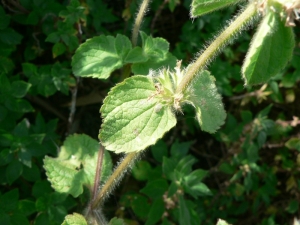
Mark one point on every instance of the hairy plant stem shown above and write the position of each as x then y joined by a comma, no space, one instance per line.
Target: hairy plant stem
240,23
98,172
117,175
138,21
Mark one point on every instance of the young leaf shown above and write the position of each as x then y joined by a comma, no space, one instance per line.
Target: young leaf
271,49
75,165
156,52
201,7
207,101
74,219
98,57
131,119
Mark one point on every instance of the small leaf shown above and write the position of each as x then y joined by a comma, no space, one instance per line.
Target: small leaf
293,143
100,56
156,212
207,101
9,200
131,122
10,37
13,171
74,219
116,221
156,51
58,49
155,188
20,88
75,165
271,49
201,7
4,19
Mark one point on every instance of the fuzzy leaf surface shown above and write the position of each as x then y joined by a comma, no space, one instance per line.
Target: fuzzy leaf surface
271,49
201,7
75,165
207,101
98,57
132,120
156,51
74,219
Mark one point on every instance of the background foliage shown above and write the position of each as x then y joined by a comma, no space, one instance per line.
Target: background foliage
246,173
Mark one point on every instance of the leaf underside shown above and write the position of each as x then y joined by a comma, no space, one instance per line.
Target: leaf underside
201,7
207,101
271,49
75,165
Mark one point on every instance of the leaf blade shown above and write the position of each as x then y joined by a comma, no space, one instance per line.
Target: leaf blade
132,104
271,49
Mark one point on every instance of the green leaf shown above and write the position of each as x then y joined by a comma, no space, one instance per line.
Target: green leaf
4,19
222,222
10,37
201,7
26,207
137,202
13,171
141,170
116,221
159,150
156,212
20,88
9,200
156,50
293,206
17,219
140,124
271,49
100,56
155,188
184,214
74,219
75,165
293,143
207,101
58,49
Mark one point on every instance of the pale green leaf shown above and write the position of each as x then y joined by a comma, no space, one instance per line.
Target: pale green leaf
271,49
74,219
133,116
75,165
156,50
222,222
207,101
100,56
201,7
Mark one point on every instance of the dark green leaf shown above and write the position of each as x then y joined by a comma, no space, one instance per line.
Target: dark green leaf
141,170
156,188
26,207
9,200
156,212
58,49
184,214
4,19
13,171
10,37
